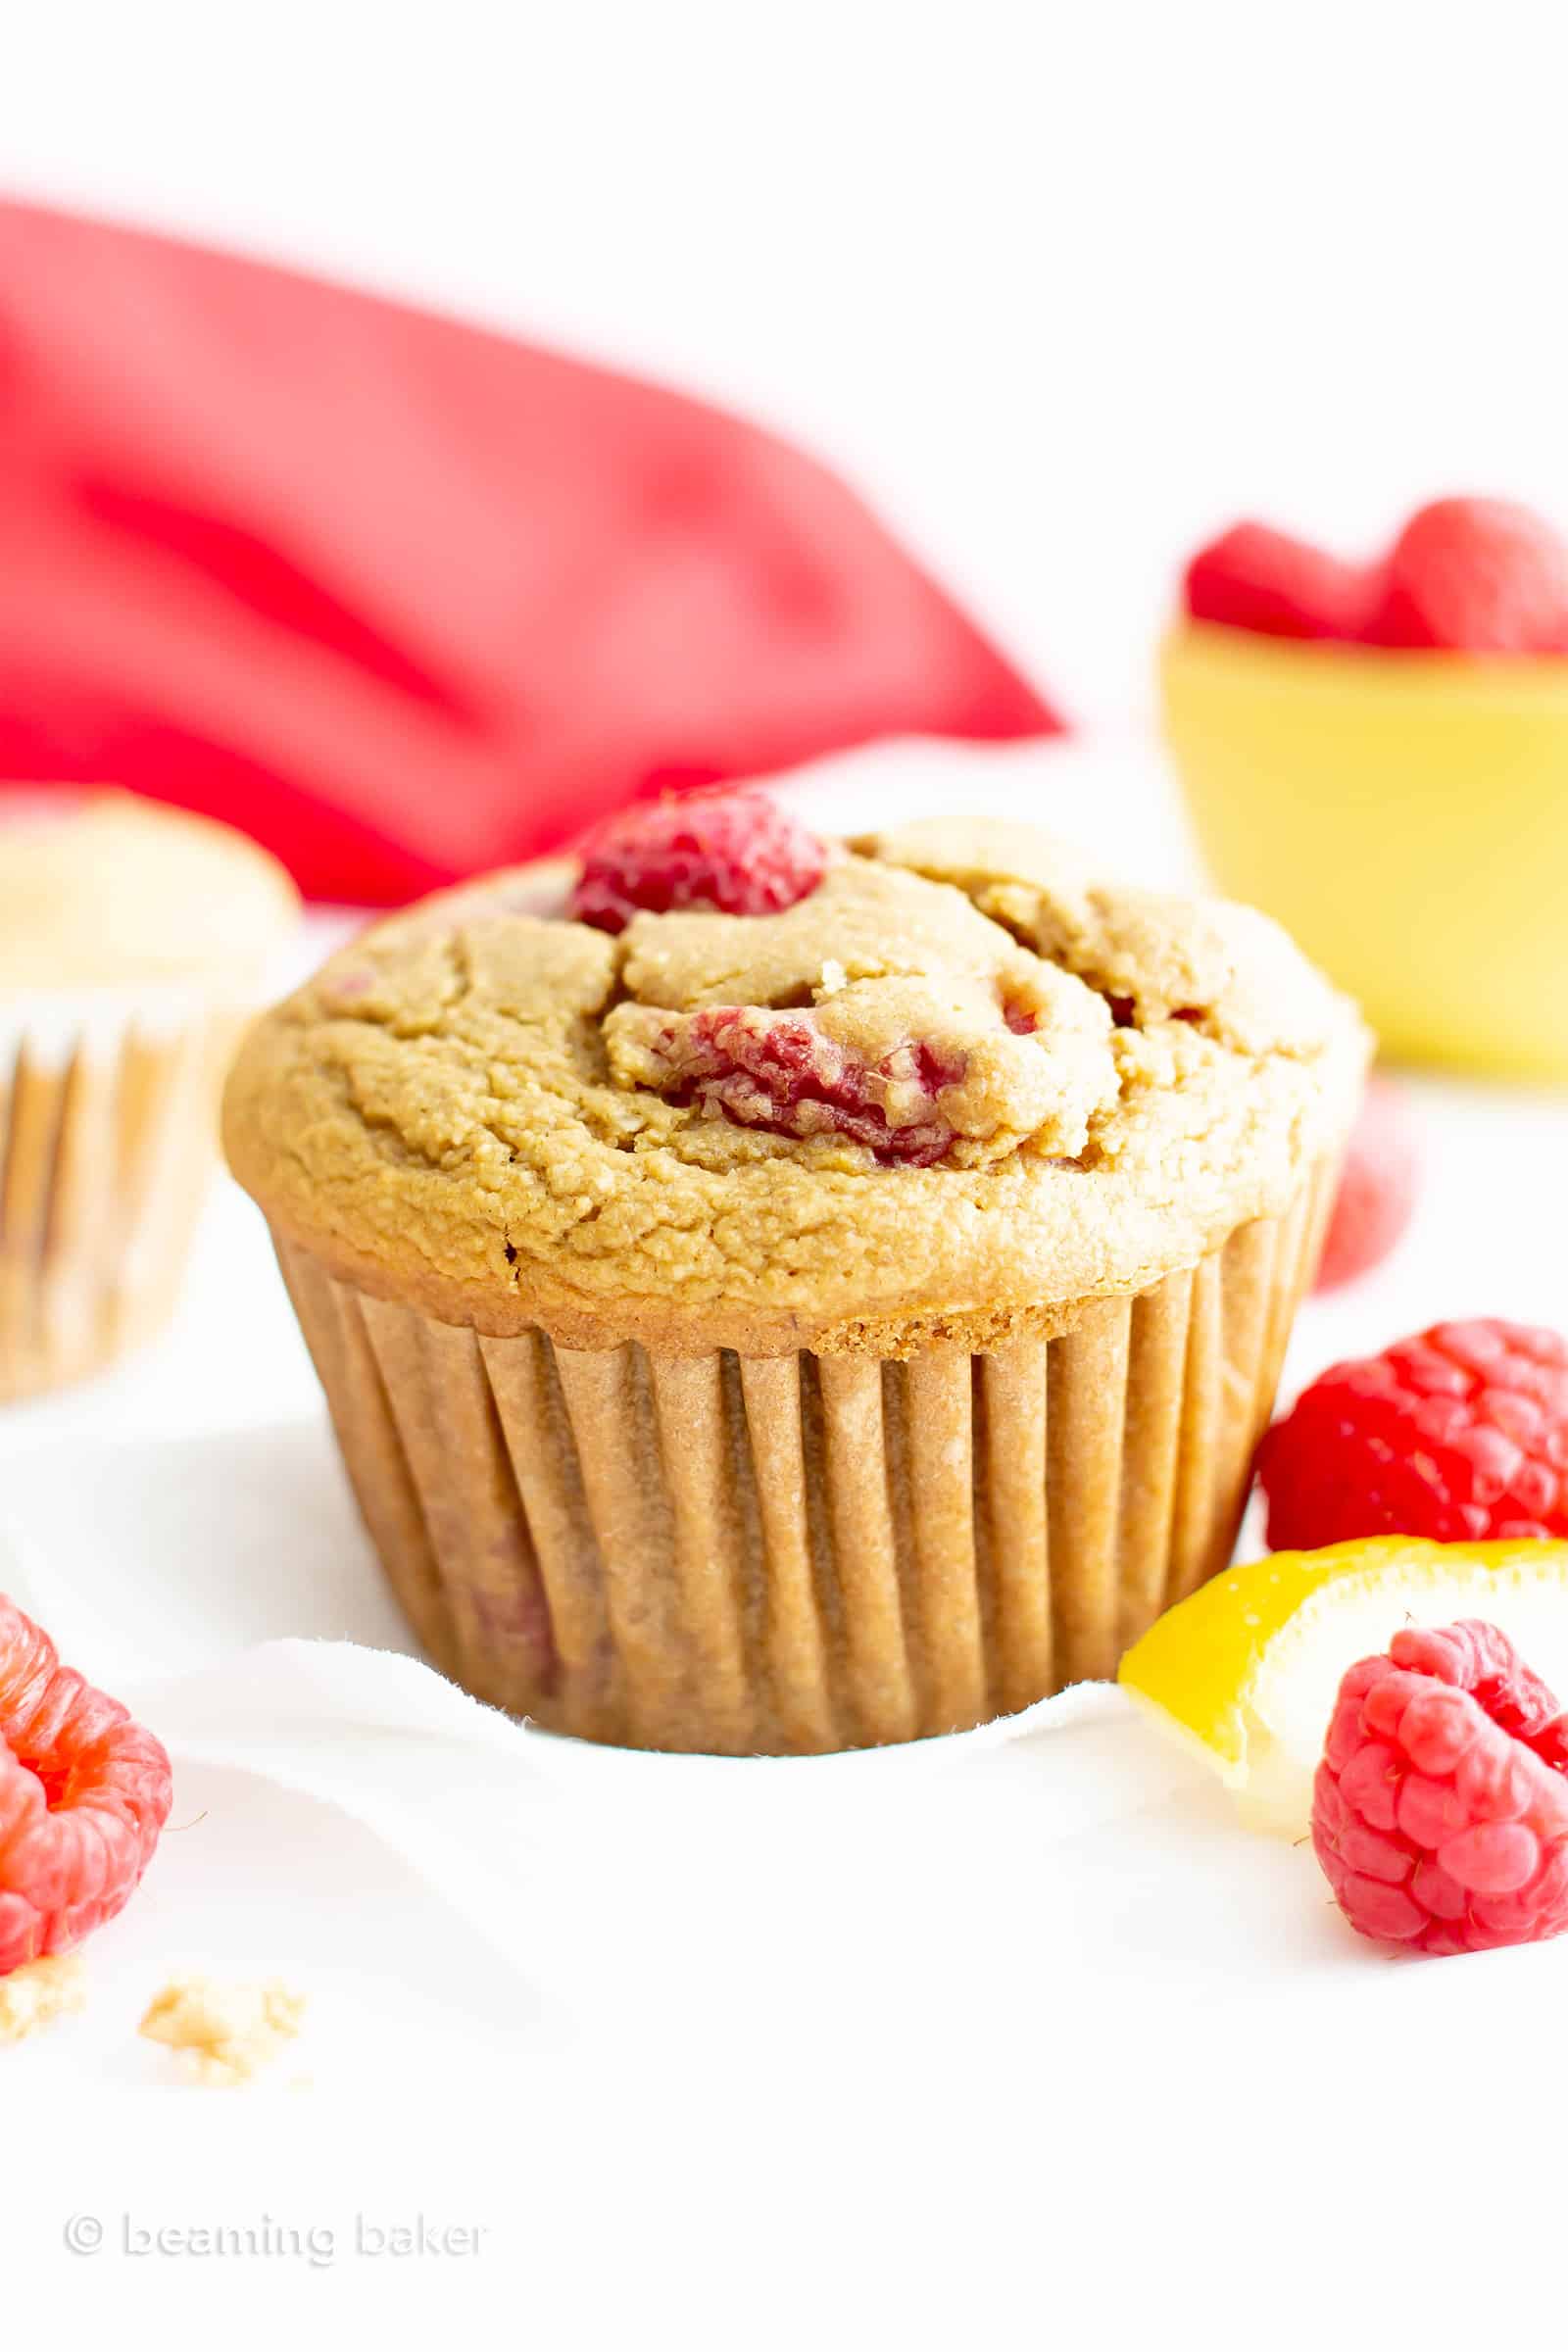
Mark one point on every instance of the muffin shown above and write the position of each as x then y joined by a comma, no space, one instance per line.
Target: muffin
796,1330
132,942
1379,755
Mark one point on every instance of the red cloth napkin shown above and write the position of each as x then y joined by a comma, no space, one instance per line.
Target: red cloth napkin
405,599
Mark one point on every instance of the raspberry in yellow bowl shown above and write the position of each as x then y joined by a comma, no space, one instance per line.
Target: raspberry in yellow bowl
1405,813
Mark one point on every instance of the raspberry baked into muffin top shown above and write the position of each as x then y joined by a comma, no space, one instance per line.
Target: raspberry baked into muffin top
958,1082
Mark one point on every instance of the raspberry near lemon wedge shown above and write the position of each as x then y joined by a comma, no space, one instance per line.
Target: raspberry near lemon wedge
1245,1670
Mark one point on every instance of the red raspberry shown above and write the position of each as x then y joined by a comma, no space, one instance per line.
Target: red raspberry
778,1071
1253,578
1460,1434
738,851
1477,576
1377,1188
84,1795
1440,1811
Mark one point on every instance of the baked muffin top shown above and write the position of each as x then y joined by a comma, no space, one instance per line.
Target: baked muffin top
960,1082
109,891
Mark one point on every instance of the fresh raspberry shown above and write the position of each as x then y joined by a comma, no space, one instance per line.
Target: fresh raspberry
84,1795
1477,576
1253,578
779,1071
738,851
1377,1188
1460,1434
1440,1811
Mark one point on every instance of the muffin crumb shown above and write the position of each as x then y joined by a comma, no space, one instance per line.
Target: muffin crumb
223,2033
39,1992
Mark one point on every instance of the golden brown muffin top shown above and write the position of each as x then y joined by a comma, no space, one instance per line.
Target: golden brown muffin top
110,891
961,1082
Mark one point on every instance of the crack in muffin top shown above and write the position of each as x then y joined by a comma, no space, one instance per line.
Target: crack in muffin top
962,1077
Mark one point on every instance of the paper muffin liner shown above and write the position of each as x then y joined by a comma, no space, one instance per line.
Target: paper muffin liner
107,1117
798,1553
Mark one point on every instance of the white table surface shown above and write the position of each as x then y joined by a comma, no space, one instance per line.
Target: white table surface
788,2033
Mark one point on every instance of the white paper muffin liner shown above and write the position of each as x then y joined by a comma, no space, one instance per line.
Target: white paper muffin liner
108,1112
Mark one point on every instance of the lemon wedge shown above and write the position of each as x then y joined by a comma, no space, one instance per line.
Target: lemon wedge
1247,1669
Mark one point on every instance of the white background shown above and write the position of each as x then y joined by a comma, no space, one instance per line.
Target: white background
1061,288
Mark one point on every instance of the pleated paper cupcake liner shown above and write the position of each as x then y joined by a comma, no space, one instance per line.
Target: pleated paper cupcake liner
798,1553
107,1146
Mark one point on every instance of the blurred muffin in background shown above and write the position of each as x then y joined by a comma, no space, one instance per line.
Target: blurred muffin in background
132,939
1378,754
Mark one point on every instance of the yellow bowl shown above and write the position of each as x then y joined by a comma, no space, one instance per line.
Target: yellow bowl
1403,814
